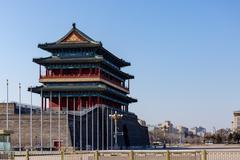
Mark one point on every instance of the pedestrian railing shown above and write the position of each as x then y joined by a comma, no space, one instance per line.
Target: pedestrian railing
218,155
128,155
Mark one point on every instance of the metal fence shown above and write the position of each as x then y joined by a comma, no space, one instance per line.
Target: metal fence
218,155
124,155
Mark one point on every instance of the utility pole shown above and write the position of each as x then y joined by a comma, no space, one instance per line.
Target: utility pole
116,117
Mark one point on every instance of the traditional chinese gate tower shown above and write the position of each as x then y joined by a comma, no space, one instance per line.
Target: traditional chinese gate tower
82,76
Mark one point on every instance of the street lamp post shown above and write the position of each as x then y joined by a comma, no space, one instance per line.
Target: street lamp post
116,117
165,128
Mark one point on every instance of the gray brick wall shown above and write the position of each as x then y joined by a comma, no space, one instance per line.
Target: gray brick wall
25,129
3,110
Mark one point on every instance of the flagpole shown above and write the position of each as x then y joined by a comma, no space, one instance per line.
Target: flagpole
59,123
7,107
80,126
92,126
41,120
19,120
74,123
86,110
111,131
102,127
67,123
31,122
98,127
107,129
50,126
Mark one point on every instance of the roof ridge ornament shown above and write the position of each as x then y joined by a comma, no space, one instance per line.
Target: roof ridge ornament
74,25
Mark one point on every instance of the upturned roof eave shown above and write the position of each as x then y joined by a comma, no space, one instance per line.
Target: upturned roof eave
51,60
50,47
121,62
56,60
102,88
44,88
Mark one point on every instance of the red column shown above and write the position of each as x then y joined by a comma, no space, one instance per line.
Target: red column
86,103
93,101
98,100
61,72
89,102
99,72
80,103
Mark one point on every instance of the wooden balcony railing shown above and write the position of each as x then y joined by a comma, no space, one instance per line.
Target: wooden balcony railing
69,76
42,77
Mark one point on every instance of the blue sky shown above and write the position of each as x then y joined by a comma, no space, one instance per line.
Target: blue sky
185,54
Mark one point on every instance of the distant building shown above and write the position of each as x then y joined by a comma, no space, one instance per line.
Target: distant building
167,126
152,127
200,131
194,130
183,133
236,121
182,129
